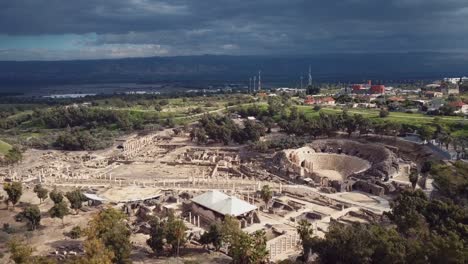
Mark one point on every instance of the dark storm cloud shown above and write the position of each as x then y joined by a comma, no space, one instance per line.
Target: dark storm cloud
248,27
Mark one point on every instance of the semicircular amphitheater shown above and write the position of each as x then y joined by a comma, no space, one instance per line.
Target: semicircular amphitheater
331,165
342,164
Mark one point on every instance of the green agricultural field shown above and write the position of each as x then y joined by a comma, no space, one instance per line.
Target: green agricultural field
4,147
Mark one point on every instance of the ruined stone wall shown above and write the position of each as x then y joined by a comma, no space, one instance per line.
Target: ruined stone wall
384,162
366,163
405,149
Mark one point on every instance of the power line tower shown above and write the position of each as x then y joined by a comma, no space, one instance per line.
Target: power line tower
259,80
254,83
301,81
310,77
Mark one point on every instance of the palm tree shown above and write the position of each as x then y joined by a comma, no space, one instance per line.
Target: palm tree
304,229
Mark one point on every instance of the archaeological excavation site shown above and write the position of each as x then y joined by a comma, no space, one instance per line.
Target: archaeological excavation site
343,165
156,173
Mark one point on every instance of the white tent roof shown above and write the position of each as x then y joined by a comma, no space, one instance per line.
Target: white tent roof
223,204
209,198
141,199
94,197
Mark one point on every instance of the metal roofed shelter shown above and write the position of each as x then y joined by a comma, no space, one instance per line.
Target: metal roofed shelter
94,197
223,204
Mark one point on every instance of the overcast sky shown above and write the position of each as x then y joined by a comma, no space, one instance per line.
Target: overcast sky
91,29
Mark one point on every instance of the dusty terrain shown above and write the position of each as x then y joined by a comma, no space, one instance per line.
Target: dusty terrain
141,166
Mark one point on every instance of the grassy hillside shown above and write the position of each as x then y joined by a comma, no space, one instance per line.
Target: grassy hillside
4,147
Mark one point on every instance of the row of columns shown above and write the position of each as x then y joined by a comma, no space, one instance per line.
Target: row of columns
195,220
282,244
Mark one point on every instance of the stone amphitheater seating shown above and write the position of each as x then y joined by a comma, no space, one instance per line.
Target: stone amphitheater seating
344,164
347,157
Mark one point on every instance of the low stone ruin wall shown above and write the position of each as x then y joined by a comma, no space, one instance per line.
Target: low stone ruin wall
364,166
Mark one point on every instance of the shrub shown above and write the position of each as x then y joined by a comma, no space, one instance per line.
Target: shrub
75,233
383,113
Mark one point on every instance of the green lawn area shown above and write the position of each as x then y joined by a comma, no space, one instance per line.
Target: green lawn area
404,118
4,147
20,114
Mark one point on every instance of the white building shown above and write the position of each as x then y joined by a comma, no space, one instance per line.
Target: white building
290,90
463,109
456,80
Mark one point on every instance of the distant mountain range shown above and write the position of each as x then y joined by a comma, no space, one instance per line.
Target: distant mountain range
275,69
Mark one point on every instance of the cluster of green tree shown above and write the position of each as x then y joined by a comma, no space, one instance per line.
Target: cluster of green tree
241,246
109,227
107,242
422,231
7,110
418,229
444,135
329,124
223,129
62,117
31,213
14,191
251,110
12,122
291,121
148,100
60,208
101,121
313,89
87,128
76,139
13,155
168,232
452,180
282,143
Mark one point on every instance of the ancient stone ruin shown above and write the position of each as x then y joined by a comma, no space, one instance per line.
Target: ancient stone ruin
343,165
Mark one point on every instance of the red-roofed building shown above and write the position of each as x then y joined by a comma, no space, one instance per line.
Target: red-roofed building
396,99
328,100
457,104
357,87
309,100
365,88
433,94
377,89
461,107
